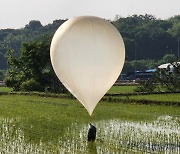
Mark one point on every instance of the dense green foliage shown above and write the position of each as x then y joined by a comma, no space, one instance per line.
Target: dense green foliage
31,70
27,50
14,38
143,65
1,75
145,36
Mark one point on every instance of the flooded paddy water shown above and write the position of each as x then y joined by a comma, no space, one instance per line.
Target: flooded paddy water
113,136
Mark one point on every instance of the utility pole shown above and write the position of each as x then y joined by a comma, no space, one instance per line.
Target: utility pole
178,49
135,55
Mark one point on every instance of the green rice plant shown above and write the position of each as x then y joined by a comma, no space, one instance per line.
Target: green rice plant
114,136
121,89
53,125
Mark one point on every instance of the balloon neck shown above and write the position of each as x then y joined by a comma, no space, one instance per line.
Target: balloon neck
90,120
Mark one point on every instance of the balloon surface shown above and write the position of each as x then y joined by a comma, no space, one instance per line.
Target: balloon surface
87,54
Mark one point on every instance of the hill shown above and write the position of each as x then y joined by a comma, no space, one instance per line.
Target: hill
145,36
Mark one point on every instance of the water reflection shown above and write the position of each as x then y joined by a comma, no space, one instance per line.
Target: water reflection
113,136
162,135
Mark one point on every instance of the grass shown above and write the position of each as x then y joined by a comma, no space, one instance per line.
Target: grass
113,90
121,89
166,98
5,89
158,97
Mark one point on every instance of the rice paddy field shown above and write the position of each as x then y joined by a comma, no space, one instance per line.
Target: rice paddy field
41,124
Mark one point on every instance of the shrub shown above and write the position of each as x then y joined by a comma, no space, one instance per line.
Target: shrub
146,86
31,85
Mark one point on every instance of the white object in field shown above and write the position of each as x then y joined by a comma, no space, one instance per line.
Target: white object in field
87,54
165,66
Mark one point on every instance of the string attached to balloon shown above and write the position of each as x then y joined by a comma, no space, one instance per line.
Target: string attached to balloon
87,54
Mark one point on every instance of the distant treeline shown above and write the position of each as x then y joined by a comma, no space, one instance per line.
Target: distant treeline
145,36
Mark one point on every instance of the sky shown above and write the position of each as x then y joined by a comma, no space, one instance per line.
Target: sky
18,13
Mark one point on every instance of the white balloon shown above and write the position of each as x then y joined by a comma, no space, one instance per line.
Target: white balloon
87,54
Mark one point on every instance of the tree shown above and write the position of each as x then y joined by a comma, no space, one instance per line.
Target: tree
28,66
147,36
144,35
33,25
169,58
142,40
31,70
1,76
174,30
2,62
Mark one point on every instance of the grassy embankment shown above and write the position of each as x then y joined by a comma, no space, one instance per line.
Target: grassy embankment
126,93
120,93
114,89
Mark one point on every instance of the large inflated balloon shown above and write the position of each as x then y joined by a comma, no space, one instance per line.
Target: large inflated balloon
87,54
